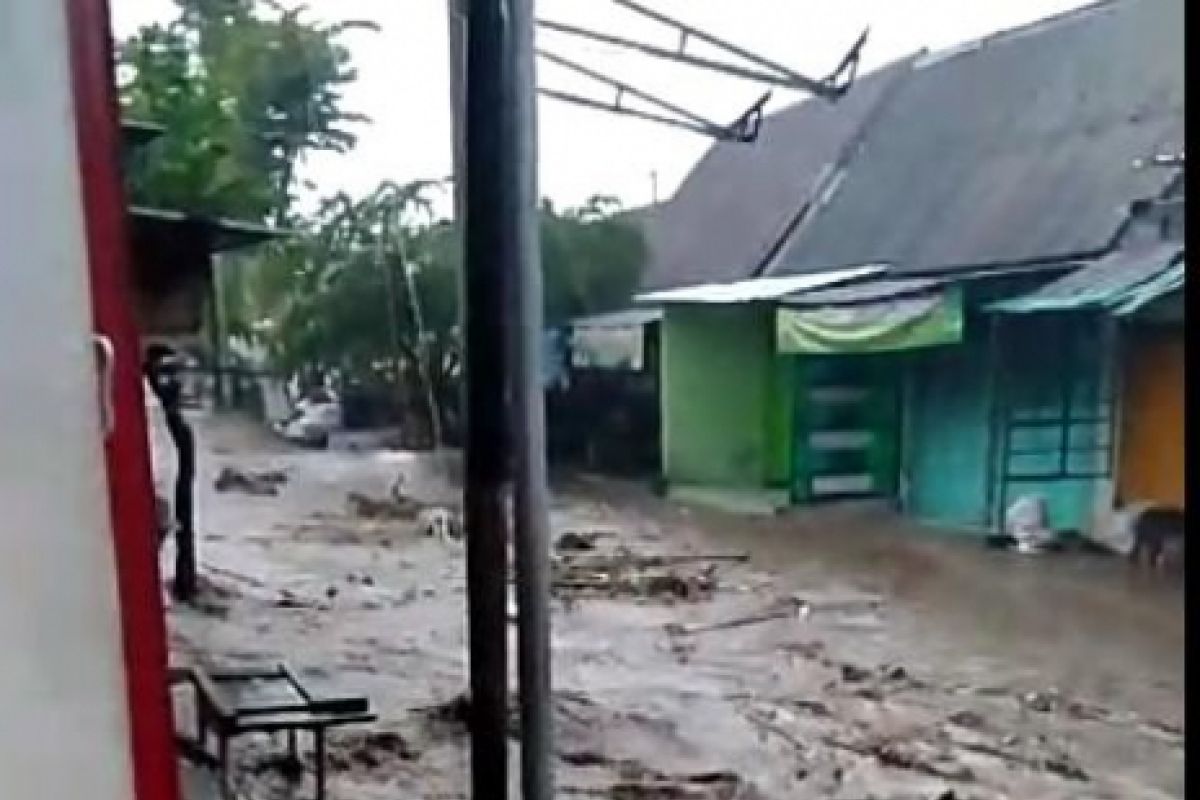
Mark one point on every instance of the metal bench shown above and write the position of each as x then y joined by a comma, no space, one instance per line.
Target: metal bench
230,703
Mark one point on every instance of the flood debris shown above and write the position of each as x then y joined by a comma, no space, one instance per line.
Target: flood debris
288,599
969,719
260,484
649,576
356,751
767,723
1036,755
441,523
396,507
669,585
777,611
578,541
1044,702
640,782
912,755
852,673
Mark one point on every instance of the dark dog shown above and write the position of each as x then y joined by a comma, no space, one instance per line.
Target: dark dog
1157,530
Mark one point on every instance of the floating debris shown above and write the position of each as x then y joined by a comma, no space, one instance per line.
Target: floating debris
370,750
361,505
262,484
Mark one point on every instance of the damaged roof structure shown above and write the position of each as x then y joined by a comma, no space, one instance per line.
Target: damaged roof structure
1015,149
740,202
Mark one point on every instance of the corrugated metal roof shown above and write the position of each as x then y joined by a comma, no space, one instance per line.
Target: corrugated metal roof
226,234
628,318
1105,283
757,289
865,292
738,202
1168,281
1018,150
136,132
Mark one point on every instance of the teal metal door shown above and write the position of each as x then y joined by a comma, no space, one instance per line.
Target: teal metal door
949,435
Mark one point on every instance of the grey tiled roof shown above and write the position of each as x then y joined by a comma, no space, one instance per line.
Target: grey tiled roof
1017,150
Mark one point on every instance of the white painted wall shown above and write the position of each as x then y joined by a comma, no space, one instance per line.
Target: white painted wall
64,730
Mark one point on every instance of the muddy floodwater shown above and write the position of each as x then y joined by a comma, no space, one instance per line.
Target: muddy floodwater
852,654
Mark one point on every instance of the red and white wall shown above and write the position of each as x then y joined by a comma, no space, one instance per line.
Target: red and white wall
82,644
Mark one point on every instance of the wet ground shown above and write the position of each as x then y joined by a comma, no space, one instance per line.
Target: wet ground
853,655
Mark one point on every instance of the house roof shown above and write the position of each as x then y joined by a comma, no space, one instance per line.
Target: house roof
135,134
1015,149
758,289
1108,282
218,234
738,202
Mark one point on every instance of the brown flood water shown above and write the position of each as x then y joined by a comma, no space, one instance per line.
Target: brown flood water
923,664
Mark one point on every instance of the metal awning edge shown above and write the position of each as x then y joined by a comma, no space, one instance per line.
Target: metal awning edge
757,289
243,233
1167,281
1043,298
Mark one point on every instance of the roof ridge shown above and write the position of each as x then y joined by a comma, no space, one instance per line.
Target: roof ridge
1005,34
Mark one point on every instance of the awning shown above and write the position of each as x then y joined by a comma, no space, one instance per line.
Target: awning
1167,281
608,348
1120,282
901,323
612,340
759,289
629,318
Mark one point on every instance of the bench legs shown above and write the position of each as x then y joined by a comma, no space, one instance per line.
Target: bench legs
223,766
319,759
319,767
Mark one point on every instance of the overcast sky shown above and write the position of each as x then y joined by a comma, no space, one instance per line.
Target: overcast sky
403,84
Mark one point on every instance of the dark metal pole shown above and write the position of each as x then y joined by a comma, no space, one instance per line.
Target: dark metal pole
489,200
624,88
797,80
456,24
586,102
773,77
532,535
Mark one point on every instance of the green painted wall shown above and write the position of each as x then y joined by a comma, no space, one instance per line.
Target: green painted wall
721,418
781,417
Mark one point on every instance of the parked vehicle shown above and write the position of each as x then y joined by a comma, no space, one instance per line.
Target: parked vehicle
312,421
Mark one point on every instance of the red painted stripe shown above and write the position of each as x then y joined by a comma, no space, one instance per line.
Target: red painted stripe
127,450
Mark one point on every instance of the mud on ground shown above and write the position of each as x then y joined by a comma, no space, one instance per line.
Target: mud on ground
850,655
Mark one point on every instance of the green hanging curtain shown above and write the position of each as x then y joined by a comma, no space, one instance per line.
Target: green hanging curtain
900,324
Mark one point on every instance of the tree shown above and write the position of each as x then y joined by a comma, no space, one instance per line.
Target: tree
592,257
371,295
245,90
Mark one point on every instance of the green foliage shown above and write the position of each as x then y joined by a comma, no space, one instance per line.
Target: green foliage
370,291
244,90
592,258
367,289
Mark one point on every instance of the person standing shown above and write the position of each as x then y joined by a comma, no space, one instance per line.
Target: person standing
161,368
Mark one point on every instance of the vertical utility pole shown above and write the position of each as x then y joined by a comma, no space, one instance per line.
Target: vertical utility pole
456,27
529,424
216,336
491,269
